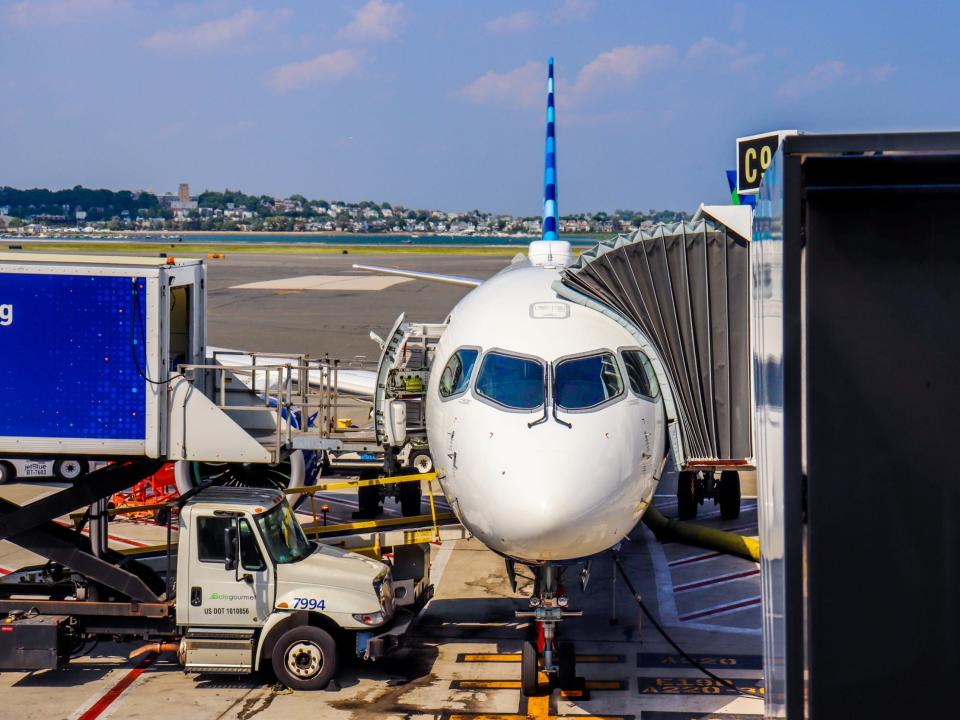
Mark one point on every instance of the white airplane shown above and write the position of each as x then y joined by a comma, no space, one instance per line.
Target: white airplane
545,420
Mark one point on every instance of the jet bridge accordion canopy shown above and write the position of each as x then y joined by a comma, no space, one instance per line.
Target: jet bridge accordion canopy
685,287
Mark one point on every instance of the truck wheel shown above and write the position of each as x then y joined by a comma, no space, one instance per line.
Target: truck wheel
529,671
305,658
70,470
368,496
729,492
686,495
411,496
7,473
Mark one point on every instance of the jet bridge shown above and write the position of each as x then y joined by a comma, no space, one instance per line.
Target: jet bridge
683,290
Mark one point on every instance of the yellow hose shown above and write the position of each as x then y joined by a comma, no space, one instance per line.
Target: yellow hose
709,538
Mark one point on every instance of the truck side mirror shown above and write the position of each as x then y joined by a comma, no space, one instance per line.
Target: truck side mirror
230,548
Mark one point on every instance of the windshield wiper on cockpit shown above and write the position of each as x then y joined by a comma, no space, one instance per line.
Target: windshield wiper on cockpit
554,396
543,419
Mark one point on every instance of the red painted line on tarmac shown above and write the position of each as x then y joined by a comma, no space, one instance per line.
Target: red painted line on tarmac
741,605
117,690
5,571
695,558
716,580
86,531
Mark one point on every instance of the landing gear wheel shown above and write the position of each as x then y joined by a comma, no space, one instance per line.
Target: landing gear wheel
69,470
411,496
529,669
368,496
288,473
729,494
422,462
305,658
7,473
686,495
567,665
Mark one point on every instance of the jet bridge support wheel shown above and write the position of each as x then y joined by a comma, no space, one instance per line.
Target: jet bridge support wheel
686,495
728,493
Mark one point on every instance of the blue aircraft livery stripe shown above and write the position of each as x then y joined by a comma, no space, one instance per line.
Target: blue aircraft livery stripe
551,223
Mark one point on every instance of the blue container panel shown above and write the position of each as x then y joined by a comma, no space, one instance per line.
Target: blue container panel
72,356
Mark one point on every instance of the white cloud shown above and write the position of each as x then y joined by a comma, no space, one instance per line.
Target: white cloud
882,72
321,69
524,86
815,80
575,10
517,22
623,63
735,57
213,34
377,20
52,12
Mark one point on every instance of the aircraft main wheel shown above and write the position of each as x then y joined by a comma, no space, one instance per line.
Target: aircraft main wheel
729,494
529,670
567,665
289,473
422,462
305,658
411,497
686,495
69,469
7,473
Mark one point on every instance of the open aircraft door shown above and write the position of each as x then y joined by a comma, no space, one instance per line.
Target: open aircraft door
399,402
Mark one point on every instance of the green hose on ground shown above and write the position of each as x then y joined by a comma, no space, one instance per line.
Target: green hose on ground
709,538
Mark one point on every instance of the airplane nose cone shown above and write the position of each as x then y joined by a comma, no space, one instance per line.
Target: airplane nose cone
550,505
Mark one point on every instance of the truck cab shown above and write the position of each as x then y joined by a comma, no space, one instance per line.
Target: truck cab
251,588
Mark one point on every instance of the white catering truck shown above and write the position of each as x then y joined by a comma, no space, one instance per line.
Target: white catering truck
249,591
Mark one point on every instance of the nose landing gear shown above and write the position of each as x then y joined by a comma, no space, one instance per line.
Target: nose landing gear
542,650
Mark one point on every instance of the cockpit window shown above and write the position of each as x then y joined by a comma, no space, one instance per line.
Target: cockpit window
455,377
640,373
514,382
585,382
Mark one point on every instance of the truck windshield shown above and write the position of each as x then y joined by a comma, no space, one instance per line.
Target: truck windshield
283,535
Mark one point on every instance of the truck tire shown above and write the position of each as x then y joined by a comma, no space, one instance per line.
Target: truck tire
305,658
729,494
68,469
411,497
686,495
7,473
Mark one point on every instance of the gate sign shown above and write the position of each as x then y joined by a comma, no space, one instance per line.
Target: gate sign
754,155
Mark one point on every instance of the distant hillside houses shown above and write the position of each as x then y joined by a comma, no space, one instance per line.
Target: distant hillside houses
82,209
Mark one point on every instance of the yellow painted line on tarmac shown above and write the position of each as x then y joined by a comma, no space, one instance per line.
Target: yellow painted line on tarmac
515,658
515,685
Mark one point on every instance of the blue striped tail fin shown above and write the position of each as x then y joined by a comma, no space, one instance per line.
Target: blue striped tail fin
551,217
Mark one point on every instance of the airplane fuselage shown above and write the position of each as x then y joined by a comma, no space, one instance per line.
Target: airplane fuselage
547,441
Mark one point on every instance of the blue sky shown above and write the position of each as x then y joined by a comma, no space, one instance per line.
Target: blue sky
433,103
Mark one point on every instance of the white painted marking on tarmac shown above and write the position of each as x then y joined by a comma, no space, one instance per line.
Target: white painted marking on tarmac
440,564
363,283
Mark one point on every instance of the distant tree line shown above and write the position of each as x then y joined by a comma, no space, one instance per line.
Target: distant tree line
98,204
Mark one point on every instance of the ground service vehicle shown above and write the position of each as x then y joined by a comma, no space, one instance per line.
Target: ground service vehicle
249,591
